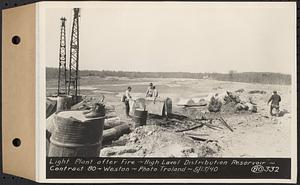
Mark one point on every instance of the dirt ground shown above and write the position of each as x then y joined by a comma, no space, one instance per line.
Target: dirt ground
254,134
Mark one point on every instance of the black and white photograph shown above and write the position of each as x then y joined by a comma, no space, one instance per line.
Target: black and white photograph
174,80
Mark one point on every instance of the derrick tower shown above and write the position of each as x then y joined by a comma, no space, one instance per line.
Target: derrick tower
62,69
73,82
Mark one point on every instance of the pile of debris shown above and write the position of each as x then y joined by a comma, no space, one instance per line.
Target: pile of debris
226,102
229,102
176,136
157,141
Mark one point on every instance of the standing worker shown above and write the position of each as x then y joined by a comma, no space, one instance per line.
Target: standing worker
149,92
275,99
126,98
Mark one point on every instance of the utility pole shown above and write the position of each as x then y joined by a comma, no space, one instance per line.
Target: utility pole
73,83
62,70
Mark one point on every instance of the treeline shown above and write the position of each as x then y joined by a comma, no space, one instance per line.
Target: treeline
248,77
255,77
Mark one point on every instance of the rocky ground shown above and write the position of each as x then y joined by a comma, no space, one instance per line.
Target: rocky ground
253,134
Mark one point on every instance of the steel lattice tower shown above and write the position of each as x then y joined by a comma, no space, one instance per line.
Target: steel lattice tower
62,70
73,85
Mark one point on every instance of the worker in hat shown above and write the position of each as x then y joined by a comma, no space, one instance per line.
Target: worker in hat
126,100
275,99
149,92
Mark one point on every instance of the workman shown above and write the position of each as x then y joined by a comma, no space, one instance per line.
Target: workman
149,92
275,99
126,101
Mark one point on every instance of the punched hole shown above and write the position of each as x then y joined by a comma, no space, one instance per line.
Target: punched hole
16,40
16,142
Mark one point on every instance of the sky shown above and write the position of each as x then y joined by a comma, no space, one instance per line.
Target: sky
178,37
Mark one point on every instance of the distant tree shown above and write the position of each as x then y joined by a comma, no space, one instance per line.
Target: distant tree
231,73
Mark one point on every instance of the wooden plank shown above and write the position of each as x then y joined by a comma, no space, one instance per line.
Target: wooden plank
226,125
